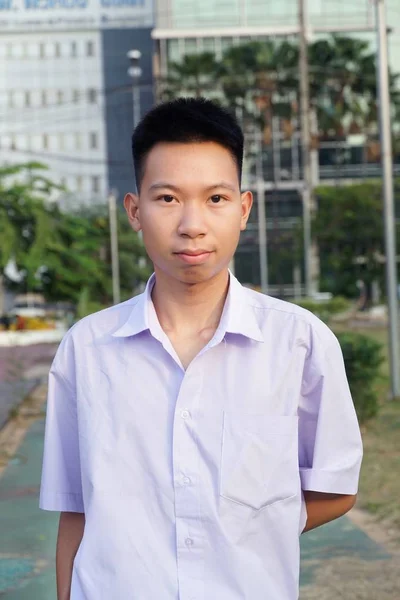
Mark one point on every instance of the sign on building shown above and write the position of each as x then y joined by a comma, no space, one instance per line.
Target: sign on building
31,15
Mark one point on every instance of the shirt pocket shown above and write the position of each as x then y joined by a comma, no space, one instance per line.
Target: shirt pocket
259,464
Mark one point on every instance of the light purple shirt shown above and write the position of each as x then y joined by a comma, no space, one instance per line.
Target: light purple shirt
191,481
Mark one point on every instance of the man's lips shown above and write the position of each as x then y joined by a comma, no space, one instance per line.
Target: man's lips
193,252
193,257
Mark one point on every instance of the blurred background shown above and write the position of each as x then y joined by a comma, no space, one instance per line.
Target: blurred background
315,85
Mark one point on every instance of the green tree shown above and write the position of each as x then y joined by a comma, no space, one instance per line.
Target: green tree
62,255
348,227
343,86
260,79
26,226
195,75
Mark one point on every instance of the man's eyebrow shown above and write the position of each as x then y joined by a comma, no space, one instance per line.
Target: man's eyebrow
163,185
170,186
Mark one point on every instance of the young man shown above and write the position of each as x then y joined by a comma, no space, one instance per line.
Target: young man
196,430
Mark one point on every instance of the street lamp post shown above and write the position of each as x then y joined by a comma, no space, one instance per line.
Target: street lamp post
388,204
135,72
112,207
306,142
262,221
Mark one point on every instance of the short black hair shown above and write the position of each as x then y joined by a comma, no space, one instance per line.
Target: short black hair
186,120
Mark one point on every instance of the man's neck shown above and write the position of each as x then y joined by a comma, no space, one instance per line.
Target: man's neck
189,309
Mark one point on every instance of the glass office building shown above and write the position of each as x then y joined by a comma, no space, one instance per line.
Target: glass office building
193,26
197,14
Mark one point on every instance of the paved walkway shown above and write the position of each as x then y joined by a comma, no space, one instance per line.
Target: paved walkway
20,371
339,561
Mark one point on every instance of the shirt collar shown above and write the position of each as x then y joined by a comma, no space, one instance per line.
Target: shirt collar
238,316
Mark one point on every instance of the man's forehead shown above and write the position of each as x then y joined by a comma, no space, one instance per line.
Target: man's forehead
179,164
220,185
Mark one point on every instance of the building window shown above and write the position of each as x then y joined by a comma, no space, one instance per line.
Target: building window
74,49
174,53
61,141
42,50
93,141
190,46
63,182
78,141
95,184
90,49
226,42
75,96
44,98
57,50
209,45
27,98
9,51
92,96
79,183
60,96
13,144
45,140
11,99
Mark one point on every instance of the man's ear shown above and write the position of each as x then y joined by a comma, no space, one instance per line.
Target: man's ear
247,203
131,204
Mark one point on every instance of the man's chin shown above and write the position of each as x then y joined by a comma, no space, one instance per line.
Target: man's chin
191,274
200,274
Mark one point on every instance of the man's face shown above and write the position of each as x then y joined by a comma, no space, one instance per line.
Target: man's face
190,209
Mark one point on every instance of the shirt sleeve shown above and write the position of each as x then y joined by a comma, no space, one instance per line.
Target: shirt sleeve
330,445
61,487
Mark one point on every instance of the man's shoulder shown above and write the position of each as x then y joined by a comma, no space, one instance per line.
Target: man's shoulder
288,313
103,322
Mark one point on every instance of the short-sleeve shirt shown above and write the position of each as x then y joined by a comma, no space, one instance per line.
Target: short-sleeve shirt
192,480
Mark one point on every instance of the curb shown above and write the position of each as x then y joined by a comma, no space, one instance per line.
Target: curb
13,432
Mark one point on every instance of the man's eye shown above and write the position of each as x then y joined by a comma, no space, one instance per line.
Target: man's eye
167,198
216,199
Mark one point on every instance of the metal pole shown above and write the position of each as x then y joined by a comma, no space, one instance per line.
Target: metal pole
305,142
262,222
135,73
112,206
389,214
136,103
136,119
297,282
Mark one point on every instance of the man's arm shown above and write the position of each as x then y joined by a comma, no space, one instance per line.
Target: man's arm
322,508
70,533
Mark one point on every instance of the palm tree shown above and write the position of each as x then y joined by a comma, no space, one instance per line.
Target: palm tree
195,75
343,86
258,79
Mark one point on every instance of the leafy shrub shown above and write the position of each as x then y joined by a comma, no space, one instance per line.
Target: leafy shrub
363,359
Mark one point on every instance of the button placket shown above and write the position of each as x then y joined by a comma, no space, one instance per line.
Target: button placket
189,532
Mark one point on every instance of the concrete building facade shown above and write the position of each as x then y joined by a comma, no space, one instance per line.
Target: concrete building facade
65,95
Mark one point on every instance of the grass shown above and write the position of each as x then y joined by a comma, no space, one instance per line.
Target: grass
379,490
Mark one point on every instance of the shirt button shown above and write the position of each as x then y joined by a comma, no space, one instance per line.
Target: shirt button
187,480
185,414
189,542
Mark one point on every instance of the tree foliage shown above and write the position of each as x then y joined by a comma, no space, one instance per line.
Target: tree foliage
260,79
348,227
60,254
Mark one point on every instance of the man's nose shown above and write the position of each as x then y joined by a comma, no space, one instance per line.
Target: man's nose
192,223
